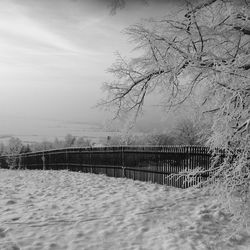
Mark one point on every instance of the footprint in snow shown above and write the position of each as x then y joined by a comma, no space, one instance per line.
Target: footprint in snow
2,232
10,202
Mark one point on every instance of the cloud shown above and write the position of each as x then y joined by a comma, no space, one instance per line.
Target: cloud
17,28
54,54
29,46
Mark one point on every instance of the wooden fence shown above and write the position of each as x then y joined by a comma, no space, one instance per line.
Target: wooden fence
152,164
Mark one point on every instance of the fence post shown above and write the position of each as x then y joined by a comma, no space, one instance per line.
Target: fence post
19,162
123,167
90,162
43,159
67,160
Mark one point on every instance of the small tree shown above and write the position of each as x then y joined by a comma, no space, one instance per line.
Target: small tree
25,149
82,142
69,140
13,148
58,143
161,139
187,132
2,148
41,146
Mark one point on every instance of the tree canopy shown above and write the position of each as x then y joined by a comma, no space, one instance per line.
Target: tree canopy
205,48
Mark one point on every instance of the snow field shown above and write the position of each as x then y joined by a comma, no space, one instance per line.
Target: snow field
69,210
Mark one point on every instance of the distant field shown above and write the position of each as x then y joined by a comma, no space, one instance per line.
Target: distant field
37,130
70,210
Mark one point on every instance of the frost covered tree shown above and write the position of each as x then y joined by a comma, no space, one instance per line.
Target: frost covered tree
69,140
205,48
12,149
187,132
82,142
14,146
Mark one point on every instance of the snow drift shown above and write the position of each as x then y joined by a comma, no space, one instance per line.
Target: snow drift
70,210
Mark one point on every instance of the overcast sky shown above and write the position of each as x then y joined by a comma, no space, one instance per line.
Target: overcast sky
54,55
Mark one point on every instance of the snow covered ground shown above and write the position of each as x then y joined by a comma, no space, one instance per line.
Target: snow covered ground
69,210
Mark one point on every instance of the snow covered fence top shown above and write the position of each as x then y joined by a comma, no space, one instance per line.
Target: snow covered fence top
156,164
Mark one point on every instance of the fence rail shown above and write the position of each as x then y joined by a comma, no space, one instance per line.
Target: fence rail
155,164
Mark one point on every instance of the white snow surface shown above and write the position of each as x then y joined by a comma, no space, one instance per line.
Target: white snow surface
71,210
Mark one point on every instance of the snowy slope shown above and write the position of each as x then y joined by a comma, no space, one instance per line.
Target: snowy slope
69,210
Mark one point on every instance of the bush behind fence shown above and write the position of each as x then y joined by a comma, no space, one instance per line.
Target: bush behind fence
153,164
